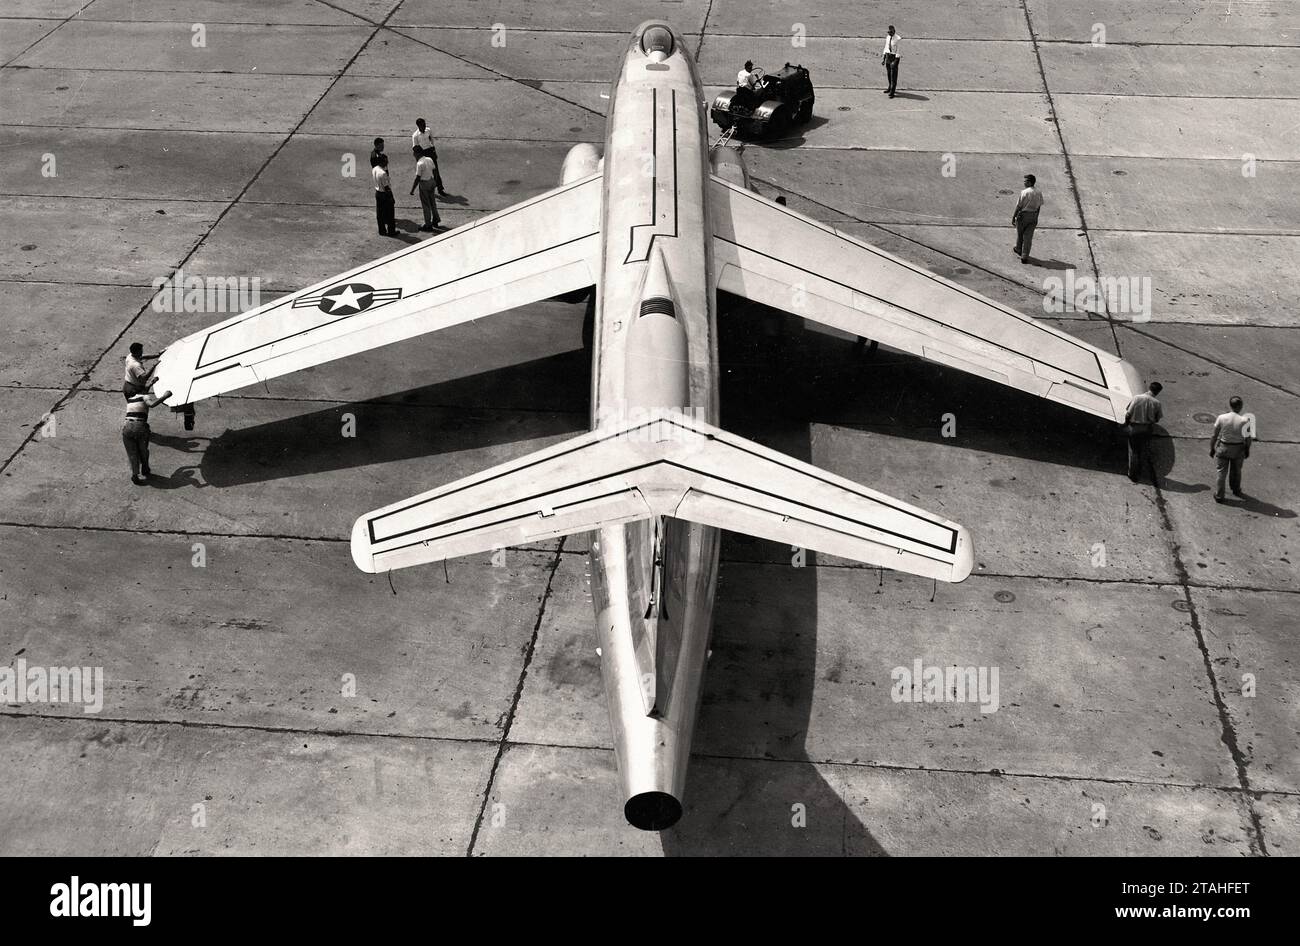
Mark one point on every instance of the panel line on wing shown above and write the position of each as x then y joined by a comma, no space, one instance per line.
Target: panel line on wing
422,246
777,458
412,295
946,325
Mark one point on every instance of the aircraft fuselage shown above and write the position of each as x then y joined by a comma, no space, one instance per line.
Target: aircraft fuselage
655,351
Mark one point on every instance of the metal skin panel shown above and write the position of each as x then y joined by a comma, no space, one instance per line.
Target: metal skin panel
770,254
532,251
655,479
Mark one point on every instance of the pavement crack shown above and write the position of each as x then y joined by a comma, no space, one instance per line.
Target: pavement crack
1228,735
1069,173
514,703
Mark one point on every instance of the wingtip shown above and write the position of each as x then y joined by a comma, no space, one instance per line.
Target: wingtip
1132,377
964,561
362,549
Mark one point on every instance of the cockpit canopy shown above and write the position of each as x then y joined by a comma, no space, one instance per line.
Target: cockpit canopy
657,39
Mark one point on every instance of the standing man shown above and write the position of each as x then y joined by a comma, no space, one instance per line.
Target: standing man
889,59
379,149
422,144
385,205
135,433
1025,217
1230,445
1143,413
424,179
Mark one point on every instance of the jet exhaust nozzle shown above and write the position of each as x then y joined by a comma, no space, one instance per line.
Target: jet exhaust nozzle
652,811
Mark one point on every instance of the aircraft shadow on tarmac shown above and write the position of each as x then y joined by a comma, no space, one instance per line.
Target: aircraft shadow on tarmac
776,379
760,682
403,427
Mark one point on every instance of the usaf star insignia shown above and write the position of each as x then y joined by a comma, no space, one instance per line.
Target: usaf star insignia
348,299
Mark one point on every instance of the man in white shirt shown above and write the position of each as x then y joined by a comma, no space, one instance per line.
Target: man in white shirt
424,179
745,78
1230,445
1025,217
137,375
422,144
385,206
890,58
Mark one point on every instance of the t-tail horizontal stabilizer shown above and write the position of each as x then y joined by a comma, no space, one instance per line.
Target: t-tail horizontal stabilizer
669,465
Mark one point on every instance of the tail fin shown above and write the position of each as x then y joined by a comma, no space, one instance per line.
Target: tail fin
669,465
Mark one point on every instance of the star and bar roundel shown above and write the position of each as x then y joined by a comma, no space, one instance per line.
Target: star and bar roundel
348,298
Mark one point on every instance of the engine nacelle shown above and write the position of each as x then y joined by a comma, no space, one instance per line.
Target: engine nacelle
583,160
729,165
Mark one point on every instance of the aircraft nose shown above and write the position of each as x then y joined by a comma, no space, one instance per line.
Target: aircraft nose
657,42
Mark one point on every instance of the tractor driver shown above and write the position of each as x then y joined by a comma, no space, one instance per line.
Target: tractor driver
747,78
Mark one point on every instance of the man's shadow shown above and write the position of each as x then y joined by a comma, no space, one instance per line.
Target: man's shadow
1051,263
1163,457
1164,454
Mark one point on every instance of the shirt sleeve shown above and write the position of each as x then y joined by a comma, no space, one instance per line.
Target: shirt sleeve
1159,412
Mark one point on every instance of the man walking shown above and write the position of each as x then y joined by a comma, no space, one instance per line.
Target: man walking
385,205
135,433
1025,217
422,144
424,179
1143,413
889,59
1230,445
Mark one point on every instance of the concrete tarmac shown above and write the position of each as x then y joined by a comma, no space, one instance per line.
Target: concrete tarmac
1143,636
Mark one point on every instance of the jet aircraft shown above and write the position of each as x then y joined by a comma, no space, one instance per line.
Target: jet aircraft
655,228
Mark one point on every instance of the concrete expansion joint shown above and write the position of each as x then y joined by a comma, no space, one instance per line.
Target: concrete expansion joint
198,243
1069,174
1228,734
509,715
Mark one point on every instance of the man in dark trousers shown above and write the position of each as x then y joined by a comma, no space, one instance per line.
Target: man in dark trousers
135,432
1230,445
385,205
889,59
422,145
425,181
1143,413
1025,217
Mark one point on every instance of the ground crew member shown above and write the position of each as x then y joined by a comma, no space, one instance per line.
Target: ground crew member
1230,445
1143,413
385,205
422,144
137,377
424,179
890,59
135,433
1025,217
